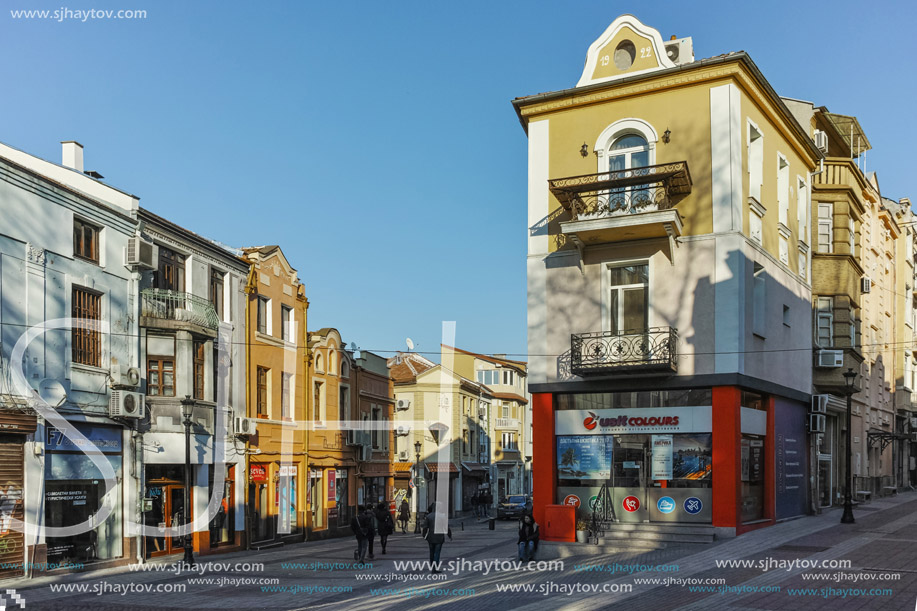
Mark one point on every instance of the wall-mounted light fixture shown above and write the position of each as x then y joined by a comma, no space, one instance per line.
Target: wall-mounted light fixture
584,150
665,135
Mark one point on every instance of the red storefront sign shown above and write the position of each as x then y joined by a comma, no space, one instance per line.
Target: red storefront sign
258,473
331,481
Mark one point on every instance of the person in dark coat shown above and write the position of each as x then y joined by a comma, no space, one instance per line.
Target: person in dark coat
404,515
475,504
373,527
386,523
528,538
435,516
360,527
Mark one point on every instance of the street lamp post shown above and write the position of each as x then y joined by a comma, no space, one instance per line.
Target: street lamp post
849,380
187,408
417,447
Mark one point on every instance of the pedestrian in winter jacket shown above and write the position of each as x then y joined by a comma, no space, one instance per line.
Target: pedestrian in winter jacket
528,538
360,529
404,515
436,517
386,523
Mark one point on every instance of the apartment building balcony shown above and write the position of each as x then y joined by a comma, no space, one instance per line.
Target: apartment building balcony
171,309
506,423
836,274
649,351
622,205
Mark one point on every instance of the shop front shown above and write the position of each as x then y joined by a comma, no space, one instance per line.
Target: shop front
274,493
76,490
14,430
694,456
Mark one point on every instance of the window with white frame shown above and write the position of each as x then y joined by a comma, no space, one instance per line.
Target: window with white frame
784,251
825,227
755,161
783,190
286,399
824,321
627,308
851,229
755,225
759,301
802,206
802,264
505,407
509,441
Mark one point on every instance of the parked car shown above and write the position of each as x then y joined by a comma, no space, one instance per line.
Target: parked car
513,506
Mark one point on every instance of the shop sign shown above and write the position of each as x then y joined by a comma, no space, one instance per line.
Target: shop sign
630,504
584,456
331,483
106,439
341,473
572,499
642,420
258,473
288,471
662,457
666,504
693,505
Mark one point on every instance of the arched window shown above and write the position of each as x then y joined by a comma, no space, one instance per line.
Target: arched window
319,362
345,369
332,362
628,151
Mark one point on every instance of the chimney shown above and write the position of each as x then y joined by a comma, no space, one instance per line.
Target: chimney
73,155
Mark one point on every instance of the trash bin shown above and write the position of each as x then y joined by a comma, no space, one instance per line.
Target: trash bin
491,524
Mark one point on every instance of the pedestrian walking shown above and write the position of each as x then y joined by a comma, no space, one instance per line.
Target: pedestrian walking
386,523
436,517
360,527
373,528
528,538
404,515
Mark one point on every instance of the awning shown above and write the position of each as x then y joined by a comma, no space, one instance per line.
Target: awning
435,467
474,466
402,467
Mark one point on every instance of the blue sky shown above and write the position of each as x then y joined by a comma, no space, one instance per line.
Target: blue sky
375,141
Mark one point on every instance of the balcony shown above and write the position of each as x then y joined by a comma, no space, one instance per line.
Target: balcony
158,305
649,351
632,204
506,423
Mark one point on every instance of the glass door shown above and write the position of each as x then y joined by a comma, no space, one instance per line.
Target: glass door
176,496
626,153
627,315
628,478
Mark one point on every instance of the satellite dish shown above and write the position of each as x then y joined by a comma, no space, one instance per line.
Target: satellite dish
52,392
354,347
410,344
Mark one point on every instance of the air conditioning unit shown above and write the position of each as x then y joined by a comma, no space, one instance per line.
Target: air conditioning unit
125,404
830,359
821,141
680,51
482,412
401,430
245,426
914,423
367,453
819,404
140,253
402,404
816,423
865,284
354,437
124,377
403,455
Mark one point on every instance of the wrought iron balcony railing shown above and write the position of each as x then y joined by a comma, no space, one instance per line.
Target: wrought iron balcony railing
631,191
181,307
652,349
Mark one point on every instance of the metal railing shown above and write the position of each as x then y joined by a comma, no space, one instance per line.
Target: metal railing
181,307
507,423
630,191
652,349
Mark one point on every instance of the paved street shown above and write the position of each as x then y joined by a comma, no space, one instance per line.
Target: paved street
880,547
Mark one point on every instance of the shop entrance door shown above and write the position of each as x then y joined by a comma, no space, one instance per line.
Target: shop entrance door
629,478
167,513
825,480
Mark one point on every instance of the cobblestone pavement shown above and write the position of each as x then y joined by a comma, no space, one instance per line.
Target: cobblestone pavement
869,565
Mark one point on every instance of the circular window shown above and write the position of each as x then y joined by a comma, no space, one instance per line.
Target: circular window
625,54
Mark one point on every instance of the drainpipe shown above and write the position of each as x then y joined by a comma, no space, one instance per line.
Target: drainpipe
249,290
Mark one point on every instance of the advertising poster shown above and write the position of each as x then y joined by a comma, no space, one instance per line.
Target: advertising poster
693,457
662,457
584,457
331,481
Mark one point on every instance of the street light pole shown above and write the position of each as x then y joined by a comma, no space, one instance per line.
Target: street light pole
849,380
187,408
417,447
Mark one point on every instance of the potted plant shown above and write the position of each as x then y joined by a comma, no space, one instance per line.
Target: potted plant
582,531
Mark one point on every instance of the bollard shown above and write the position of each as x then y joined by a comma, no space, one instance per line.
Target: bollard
491,524
463,525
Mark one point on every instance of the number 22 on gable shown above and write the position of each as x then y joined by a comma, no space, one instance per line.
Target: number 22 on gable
646,52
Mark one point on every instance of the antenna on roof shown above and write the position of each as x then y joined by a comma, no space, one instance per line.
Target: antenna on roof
410,344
